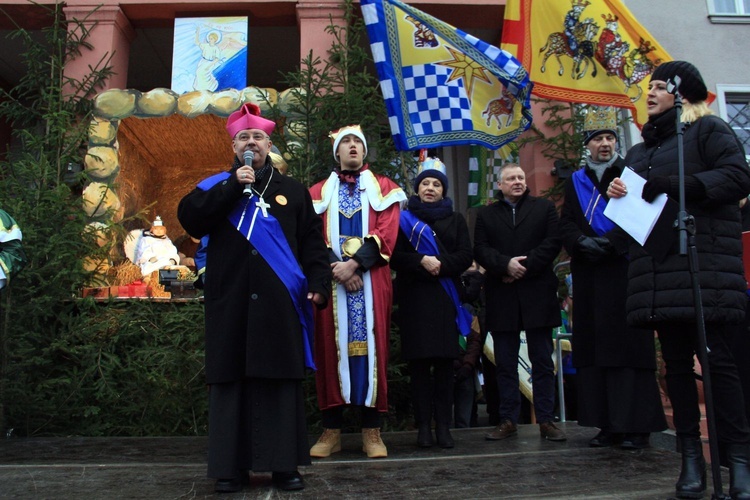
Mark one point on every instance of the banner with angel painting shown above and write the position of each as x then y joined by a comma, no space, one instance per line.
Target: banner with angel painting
210,53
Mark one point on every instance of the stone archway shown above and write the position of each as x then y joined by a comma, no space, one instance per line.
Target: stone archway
148,149
134,160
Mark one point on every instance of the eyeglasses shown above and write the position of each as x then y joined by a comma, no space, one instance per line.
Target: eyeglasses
255,137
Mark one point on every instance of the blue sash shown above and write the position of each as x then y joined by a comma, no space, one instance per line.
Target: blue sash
266,235
423,240
200,256
592,203
210,182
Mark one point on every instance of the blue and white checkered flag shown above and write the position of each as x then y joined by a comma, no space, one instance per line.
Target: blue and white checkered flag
442,86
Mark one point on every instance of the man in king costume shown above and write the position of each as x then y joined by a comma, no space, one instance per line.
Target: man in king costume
266,263
615,363
360,212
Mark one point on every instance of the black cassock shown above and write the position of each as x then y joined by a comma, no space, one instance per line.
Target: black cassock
255,361
615,364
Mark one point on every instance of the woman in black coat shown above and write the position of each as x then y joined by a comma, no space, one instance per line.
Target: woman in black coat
660,295
432,251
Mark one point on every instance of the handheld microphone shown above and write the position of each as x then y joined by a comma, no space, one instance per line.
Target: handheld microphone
673,85
248,157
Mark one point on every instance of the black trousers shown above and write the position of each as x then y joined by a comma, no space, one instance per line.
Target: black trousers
432,388
491,393
464,395
739,344
678,346
539,344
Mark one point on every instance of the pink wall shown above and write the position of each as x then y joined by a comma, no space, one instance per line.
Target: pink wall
110,37
312,19
536,166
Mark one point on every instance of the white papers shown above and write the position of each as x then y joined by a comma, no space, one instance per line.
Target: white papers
633,213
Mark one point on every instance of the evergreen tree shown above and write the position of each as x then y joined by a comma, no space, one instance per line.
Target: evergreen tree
49,112
341,91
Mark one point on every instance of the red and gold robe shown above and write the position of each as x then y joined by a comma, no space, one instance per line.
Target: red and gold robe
382,198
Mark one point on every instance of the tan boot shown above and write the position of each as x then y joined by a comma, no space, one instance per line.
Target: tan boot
372,444
328,442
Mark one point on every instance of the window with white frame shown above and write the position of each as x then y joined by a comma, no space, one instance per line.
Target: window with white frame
734,107
729,6
729,11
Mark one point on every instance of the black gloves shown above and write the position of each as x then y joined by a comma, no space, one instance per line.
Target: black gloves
594,248
464,372
655,187
694,189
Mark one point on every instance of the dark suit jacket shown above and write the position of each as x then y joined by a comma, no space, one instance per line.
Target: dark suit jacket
503,232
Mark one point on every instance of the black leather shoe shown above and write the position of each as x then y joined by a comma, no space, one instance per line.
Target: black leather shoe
424,436
232,485
443,436
551,432
244,474
739,472
288,481
505,429
635,441
692,480
605,438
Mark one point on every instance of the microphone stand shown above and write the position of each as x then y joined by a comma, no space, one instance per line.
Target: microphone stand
686,226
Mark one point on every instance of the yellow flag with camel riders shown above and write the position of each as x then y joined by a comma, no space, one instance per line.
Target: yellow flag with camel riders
594,52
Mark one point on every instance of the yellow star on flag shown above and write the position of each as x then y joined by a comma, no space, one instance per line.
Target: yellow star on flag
464,67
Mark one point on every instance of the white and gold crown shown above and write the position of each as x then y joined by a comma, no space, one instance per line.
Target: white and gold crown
600,118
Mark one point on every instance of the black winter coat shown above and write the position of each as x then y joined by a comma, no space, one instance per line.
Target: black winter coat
661,291
252,328
601,336
426,316
503,232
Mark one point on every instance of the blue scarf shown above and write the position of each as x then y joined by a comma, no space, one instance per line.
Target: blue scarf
592,203
423,240
266,235
430,211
